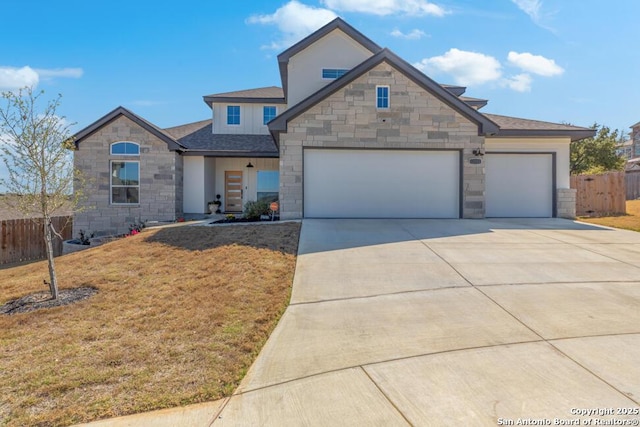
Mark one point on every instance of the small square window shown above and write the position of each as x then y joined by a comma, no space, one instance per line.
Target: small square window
268,114
233,114
382,96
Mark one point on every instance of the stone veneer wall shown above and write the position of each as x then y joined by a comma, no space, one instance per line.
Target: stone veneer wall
160,180
348,118
566,203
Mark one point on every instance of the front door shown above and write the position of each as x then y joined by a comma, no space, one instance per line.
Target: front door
233,191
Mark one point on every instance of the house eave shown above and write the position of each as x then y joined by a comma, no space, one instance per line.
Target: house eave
574,135
240,100
232,153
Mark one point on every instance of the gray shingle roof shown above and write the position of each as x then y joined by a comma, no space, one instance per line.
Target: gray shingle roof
514,126
476,103
261,92
183,130
267,95
506,122
203,141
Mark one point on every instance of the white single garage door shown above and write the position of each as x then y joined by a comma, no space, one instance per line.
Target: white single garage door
519,185
381,184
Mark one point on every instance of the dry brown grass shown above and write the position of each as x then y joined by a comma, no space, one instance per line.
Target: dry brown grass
630,221
180,315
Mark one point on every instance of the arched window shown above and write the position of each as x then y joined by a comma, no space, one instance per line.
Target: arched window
125,174
125,149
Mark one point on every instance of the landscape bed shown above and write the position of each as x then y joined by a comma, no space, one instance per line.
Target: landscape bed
179,315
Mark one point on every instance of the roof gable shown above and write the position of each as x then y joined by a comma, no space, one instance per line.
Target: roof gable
121,111
485,125
338,23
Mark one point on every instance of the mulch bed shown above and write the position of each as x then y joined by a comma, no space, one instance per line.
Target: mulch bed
234,220
40,300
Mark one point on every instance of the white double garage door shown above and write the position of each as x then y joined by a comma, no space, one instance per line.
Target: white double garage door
363,183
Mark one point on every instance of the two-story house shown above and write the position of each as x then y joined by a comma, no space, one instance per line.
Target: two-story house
354,132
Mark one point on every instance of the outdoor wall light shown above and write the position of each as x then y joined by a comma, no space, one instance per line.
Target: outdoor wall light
249,165
478,152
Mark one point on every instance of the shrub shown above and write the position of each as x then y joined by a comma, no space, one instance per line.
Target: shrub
253,210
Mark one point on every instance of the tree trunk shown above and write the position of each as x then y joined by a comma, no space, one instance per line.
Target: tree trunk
53,280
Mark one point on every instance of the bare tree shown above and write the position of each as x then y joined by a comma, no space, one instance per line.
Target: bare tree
35,146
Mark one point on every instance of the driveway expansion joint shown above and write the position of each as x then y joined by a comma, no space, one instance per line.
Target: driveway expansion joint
386,396
382,295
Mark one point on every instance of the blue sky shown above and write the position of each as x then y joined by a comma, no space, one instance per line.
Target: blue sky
570,61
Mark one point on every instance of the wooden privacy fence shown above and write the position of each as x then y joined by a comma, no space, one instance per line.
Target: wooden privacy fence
22,239
632,182
598,195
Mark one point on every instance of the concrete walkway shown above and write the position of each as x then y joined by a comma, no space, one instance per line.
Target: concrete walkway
446,322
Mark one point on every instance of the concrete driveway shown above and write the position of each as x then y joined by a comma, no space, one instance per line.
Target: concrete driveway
452,322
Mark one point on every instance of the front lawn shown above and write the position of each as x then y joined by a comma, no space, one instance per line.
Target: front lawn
630,221
179,316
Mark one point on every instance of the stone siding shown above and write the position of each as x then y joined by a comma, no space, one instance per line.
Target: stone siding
416,119
160,180
566,203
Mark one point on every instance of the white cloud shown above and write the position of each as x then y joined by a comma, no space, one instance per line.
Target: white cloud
12,78
387,7
535,64
530,7
74,73
295,20
466,68
519,82
411,35
533,8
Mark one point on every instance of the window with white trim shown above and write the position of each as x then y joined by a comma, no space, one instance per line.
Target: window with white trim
125,148
125,182
268,114
382,97
233,114
333,73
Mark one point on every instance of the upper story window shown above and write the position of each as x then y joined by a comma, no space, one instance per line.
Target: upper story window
125,149
233,114
382,97
333,73
268,114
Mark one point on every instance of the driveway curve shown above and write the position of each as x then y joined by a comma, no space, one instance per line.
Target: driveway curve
452,322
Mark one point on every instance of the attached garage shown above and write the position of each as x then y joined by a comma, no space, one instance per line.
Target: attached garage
368,183
519,185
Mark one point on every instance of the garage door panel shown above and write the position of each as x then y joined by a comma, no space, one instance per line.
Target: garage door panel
381,184
519,185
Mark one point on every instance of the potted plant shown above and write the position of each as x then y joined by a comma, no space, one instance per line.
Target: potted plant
214,206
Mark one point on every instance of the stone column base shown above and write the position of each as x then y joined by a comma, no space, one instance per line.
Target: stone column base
566,203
